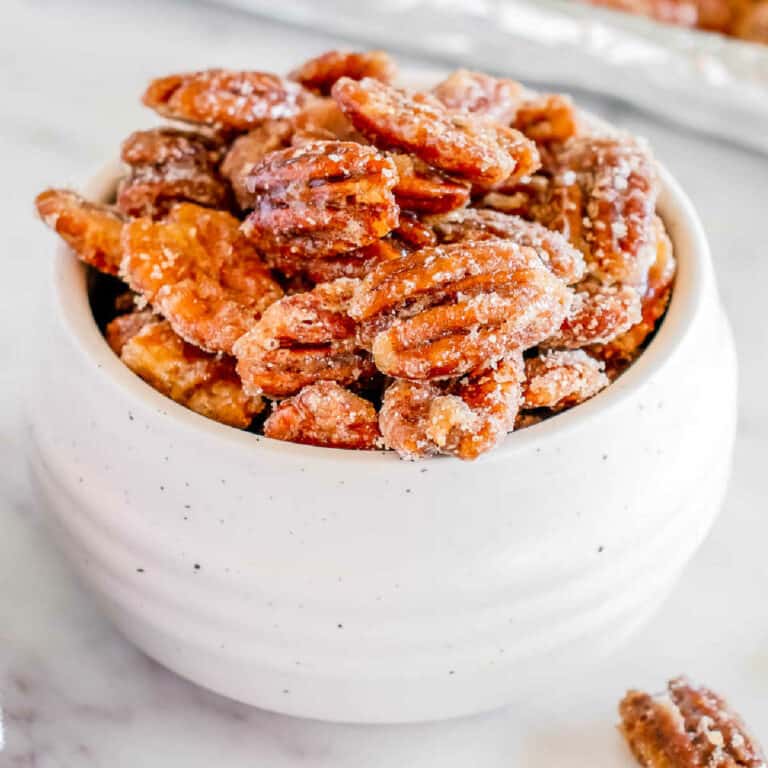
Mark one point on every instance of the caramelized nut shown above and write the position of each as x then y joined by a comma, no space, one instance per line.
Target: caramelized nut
200,273
325,414
91,230
321,199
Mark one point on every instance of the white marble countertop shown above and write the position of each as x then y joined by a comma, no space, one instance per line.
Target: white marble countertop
73,692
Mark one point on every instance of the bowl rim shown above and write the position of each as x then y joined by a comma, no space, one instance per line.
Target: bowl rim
75,316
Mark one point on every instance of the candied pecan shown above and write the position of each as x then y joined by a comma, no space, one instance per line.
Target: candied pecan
413,231
715,15
248,150
654,301
598,314
324,198
752,24
612,182
546,118
225,98
91,230
167,166
322,120
464,419
357,263
320,73
302,339
472,148
200,381
124,327
325,414
687,727
562,378
565,261
448,310
425,190
196,268
480,94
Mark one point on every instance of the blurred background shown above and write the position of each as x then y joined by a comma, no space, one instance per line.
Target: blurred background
72,692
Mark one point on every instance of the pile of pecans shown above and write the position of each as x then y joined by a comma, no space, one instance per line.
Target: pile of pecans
419,271
745,19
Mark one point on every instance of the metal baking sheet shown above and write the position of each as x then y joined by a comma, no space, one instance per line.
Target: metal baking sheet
704,81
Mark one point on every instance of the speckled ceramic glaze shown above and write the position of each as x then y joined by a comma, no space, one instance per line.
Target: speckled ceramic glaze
355,586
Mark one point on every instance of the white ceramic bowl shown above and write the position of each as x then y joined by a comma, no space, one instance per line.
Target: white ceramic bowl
354,586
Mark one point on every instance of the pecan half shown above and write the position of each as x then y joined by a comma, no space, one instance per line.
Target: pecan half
248,150
355,264
320,73
547,118
481,94
465,418
472,148
196,269
321,199
325,414
225,98
167,166
565,261
653,304
610,183
688,727
752,23
561,379
300,340
205,383
598,314
424,190
414,232
91,230
322,120
125,327
448,310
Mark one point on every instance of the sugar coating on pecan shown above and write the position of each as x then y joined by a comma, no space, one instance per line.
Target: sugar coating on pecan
686,727
565,261
321,199
248,150
653,304
225,98
325,414
448,310
302,339
598,314
166,166
611,183
560,379
480,94
469,147
196,269
200,381
465,418
319,74
91,230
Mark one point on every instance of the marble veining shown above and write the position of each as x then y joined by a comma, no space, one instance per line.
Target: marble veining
73,692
